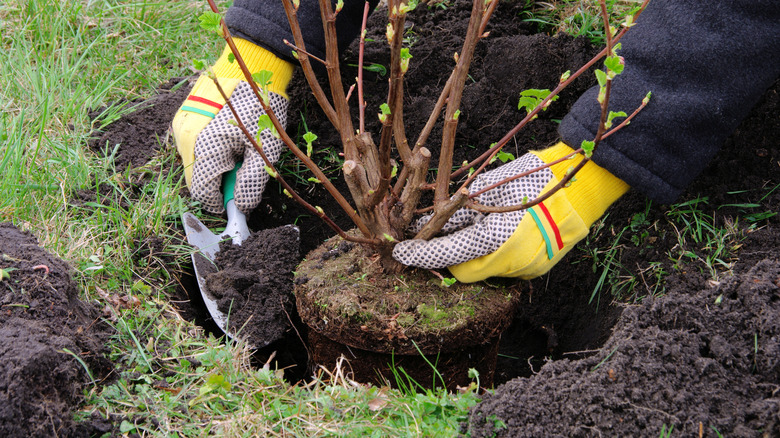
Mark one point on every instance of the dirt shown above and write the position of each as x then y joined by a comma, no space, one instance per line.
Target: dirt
253,284
670,352
706,359
44,328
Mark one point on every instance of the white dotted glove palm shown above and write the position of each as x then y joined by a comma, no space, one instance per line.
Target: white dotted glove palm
210,144
522,243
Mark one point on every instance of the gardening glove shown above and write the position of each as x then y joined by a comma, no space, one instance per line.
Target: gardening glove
523,243
209,145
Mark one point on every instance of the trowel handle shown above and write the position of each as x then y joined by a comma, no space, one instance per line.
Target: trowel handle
236,227
229,184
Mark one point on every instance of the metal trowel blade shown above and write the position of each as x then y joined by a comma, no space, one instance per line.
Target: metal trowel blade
207,245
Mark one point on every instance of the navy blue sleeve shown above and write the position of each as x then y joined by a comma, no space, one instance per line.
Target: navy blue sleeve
707,64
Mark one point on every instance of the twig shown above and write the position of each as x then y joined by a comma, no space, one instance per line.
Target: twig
293,194
361,100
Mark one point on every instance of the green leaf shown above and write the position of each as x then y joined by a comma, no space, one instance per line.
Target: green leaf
531,98
314,180
385,108
231,57
198,64
264,122
126,426
614,63
263,78
601,77
376,68
588,147
210,21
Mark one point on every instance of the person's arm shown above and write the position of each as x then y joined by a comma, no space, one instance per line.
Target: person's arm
706,64
208,143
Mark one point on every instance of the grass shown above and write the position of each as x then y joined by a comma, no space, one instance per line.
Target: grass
59,62
690,236
577,17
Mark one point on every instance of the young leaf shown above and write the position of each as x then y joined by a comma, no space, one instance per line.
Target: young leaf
264,122
314,180
615,64
272,173
210,21
588,147
309,137
531,98
612,115
601,77
447,282
231,57
263,78
405,57
198,64
505,156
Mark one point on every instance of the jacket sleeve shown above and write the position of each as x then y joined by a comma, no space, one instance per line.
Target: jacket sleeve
706,64
264,22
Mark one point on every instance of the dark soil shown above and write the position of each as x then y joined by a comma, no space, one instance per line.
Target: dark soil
254,284
697,360
43,328
681,359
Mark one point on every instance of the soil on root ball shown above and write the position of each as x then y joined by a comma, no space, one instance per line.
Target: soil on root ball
44,328
386,322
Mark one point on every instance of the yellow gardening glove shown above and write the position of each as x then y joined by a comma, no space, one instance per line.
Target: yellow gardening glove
523,243
209,145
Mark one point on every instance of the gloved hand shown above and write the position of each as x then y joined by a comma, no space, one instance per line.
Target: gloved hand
210,146
522,243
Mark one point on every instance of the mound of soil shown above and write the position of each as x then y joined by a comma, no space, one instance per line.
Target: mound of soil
706,360
44,328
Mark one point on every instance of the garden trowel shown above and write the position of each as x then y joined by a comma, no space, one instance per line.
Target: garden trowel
206,244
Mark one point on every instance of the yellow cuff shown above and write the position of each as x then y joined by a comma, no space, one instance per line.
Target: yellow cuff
547,232
594,189
256,59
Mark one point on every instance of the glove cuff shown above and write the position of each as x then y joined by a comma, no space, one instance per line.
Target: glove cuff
593,189
256,59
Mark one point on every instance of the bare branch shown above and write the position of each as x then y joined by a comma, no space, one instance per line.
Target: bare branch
441,194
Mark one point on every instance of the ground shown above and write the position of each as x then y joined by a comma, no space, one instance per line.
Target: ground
701,357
